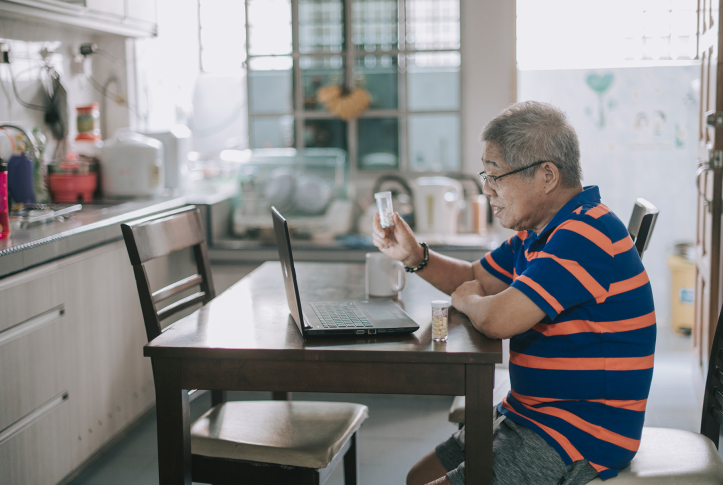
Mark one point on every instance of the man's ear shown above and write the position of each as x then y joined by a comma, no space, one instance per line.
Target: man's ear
552,176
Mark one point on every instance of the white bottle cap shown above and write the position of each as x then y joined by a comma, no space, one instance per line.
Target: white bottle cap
382,195
440,304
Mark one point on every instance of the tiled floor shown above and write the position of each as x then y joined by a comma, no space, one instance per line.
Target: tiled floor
401,429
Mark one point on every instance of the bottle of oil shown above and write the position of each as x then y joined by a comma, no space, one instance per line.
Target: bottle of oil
4,213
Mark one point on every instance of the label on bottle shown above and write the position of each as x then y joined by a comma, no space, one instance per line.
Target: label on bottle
4,215
3,191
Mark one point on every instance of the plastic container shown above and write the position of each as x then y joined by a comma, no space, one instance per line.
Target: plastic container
440,314
4,213
682,297
177,144
72,188
131,166
20,178
386,210
88,122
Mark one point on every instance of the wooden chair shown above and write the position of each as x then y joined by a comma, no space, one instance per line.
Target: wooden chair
257,442
673,456
640,228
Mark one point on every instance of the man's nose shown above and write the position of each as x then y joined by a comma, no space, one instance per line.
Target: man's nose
487,190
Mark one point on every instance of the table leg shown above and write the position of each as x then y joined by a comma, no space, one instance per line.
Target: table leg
174,424
479,383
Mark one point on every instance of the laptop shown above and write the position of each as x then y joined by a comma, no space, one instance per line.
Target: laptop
348,317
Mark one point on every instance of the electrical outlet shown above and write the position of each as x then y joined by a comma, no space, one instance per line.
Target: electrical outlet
81,65
77,67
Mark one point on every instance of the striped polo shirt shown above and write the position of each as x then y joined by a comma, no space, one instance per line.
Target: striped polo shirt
581,377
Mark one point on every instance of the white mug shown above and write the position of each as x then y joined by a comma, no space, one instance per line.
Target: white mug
385,276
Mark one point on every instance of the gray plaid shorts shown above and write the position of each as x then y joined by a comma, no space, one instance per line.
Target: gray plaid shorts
520,456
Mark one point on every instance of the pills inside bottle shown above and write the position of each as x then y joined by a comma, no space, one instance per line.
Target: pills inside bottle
440,313
386,211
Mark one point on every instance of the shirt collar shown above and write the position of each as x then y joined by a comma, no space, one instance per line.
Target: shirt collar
589,195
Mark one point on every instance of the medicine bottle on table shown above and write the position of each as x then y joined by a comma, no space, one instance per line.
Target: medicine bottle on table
440,314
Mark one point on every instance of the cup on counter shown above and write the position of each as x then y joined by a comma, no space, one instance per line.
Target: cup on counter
385,277
440,314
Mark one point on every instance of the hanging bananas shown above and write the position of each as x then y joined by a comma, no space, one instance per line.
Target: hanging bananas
344,105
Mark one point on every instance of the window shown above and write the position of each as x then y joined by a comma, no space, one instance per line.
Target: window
404,53
568,34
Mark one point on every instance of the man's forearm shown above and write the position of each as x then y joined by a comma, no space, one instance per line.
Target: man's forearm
503,315
477,309
443,272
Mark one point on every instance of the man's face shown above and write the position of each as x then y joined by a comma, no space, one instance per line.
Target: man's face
515,201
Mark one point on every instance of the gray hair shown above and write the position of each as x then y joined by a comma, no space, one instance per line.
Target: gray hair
531,131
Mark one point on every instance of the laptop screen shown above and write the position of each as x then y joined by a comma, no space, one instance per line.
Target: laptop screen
283,242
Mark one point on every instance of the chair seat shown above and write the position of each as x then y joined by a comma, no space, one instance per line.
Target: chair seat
502,387
294,433
672,457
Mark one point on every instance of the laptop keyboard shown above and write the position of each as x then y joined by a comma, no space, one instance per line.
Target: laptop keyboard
340,315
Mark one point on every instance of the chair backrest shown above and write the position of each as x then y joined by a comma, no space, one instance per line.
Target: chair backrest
160,235
642,223
712,420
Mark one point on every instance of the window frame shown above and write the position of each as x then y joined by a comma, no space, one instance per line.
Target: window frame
350,54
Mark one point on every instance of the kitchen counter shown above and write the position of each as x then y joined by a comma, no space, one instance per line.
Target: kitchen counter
27,248
347,249
89,228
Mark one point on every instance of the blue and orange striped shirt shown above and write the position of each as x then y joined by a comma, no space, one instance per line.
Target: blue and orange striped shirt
581,377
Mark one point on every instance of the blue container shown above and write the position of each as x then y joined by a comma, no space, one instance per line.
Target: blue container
20,179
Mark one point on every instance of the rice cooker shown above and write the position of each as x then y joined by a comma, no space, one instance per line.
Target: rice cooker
436,204
131,166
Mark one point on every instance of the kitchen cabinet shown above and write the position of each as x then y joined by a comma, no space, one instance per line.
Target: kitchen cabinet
111,383
112,7
77,349
132,18
33,412
142,10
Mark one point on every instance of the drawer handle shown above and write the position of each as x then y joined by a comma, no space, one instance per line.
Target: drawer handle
30,325
32,417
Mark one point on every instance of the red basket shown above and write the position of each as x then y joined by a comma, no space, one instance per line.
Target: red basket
71,188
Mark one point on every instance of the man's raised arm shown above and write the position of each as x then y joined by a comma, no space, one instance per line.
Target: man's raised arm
444,273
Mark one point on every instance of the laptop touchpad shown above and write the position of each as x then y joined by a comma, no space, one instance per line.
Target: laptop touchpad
380,314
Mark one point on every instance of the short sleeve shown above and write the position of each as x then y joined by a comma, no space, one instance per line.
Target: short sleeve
574,267
500,262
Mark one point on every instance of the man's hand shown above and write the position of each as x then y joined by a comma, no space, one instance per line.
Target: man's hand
466,293
398,241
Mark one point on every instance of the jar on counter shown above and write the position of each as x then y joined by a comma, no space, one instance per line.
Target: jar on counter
88,122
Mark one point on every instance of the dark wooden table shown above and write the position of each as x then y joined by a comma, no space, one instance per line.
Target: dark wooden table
245,339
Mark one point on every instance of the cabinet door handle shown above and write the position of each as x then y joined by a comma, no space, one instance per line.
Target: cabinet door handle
32,324
32,417
703,168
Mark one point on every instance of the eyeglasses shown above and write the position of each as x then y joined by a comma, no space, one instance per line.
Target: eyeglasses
491,180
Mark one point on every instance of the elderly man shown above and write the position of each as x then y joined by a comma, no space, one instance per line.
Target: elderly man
571,294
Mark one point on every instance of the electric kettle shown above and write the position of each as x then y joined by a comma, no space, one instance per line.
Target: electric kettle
436,204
